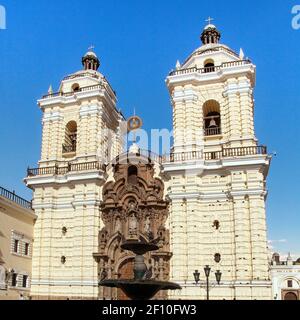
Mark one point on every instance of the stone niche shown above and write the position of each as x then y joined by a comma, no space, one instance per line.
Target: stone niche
133,207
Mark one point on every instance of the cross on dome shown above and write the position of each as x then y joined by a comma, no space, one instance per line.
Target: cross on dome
90,60
91,48
210,34
209,20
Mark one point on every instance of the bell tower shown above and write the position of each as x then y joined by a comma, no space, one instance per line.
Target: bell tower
81,133
217,175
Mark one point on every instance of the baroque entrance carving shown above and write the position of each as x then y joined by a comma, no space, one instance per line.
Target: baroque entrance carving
133,208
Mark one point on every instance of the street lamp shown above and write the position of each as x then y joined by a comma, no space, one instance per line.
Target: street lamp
197,276
207,271
218,275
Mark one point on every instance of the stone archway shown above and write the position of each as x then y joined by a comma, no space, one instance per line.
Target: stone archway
290,296
125,272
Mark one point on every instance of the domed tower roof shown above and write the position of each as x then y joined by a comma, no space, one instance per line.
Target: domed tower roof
90,60
210,35
210,48
276,258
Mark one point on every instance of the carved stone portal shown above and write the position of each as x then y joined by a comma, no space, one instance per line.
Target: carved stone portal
133,208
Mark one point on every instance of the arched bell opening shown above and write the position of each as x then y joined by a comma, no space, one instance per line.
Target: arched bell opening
75,87
212,118
70,143
209,65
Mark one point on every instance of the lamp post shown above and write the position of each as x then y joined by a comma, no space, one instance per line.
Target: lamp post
207,271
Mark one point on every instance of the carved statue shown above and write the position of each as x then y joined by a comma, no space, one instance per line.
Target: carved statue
147,225
131,205
133,224
103,238
118,225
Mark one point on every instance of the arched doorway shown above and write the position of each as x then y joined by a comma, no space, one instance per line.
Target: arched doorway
125,272
290,296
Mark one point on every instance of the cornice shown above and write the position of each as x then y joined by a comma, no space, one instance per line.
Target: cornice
68,178
212,77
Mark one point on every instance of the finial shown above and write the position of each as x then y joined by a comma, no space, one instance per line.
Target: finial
91,48
178,65
50,90
242,55
209,20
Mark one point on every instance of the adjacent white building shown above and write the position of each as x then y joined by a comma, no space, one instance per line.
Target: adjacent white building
285,278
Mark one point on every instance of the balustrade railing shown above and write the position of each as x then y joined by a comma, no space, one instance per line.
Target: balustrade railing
215,155
212,131
68,148
171,158
210,69
68,94
13,197
183,156
71,167
144,153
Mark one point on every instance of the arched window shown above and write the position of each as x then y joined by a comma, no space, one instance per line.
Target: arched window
70,144
209,66
212,118
75,87
132,175
290,283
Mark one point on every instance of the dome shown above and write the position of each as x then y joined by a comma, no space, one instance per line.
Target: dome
90,61
210,26
210,35
91,53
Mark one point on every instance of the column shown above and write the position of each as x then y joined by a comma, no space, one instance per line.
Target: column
194,120
178,241
234,109
242,240
246,103
178,121
259,237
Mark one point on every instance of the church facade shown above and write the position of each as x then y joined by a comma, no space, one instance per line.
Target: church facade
203,204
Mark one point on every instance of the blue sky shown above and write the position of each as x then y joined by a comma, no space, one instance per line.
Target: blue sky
138,43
